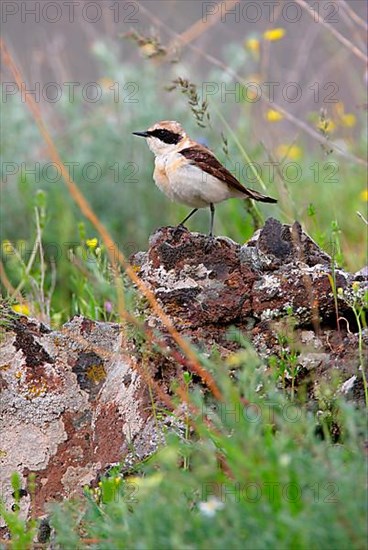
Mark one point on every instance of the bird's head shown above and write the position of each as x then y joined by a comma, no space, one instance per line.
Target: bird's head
163,137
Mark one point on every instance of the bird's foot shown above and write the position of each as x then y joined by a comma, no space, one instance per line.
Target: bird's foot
177,230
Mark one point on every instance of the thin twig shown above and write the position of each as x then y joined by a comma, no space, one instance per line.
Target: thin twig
362,217
353,15
4,279
342,39
42,264
51,289
28,267
200,26
356,33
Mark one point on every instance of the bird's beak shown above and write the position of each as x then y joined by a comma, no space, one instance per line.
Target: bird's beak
141,134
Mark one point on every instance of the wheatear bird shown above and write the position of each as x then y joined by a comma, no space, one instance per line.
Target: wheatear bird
189,173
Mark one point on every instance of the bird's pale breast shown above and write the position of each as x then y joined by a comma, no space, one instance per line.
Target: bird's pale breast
184,182
161,178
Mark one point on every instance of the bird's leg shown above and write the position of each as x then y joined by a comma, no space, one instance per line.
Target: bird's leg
212,208
210,241
181,224
188,216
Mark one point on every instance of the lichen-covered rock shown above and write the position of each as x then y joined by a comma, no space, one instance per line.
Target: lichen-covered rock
279,290
71,404
279,271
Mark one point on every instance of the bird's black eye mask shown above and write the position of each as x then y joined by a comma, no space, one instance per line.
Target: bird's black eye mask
166,136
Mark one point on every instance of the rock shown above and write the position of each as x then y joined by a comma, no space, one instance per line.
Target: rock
348,385
72,400
71,403
280,244
362,274
279,271
313,360
207,286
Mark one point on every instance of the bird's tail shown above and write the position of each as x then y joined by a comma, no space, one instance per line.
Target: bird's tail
258,196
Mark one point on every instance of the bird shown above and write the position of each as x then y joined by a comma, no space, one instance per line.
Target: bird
189,173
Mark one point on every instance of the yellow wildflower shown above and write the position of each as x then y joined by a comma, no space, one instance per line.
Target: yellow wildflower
348,119
274,34
364,195
252,44
292,152
7,247
355,286
146,485
92,243
273,116
237,359
23,309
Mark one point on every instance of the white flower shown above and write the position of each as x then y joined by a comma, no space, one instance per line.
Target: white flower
285,460
209,508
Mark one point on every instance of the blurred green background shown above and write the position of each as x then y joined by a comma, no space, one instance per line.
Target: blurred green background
132,53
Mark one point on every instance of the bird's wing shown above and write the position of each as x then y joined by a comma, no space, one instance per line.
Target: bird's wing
203,158
206,161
